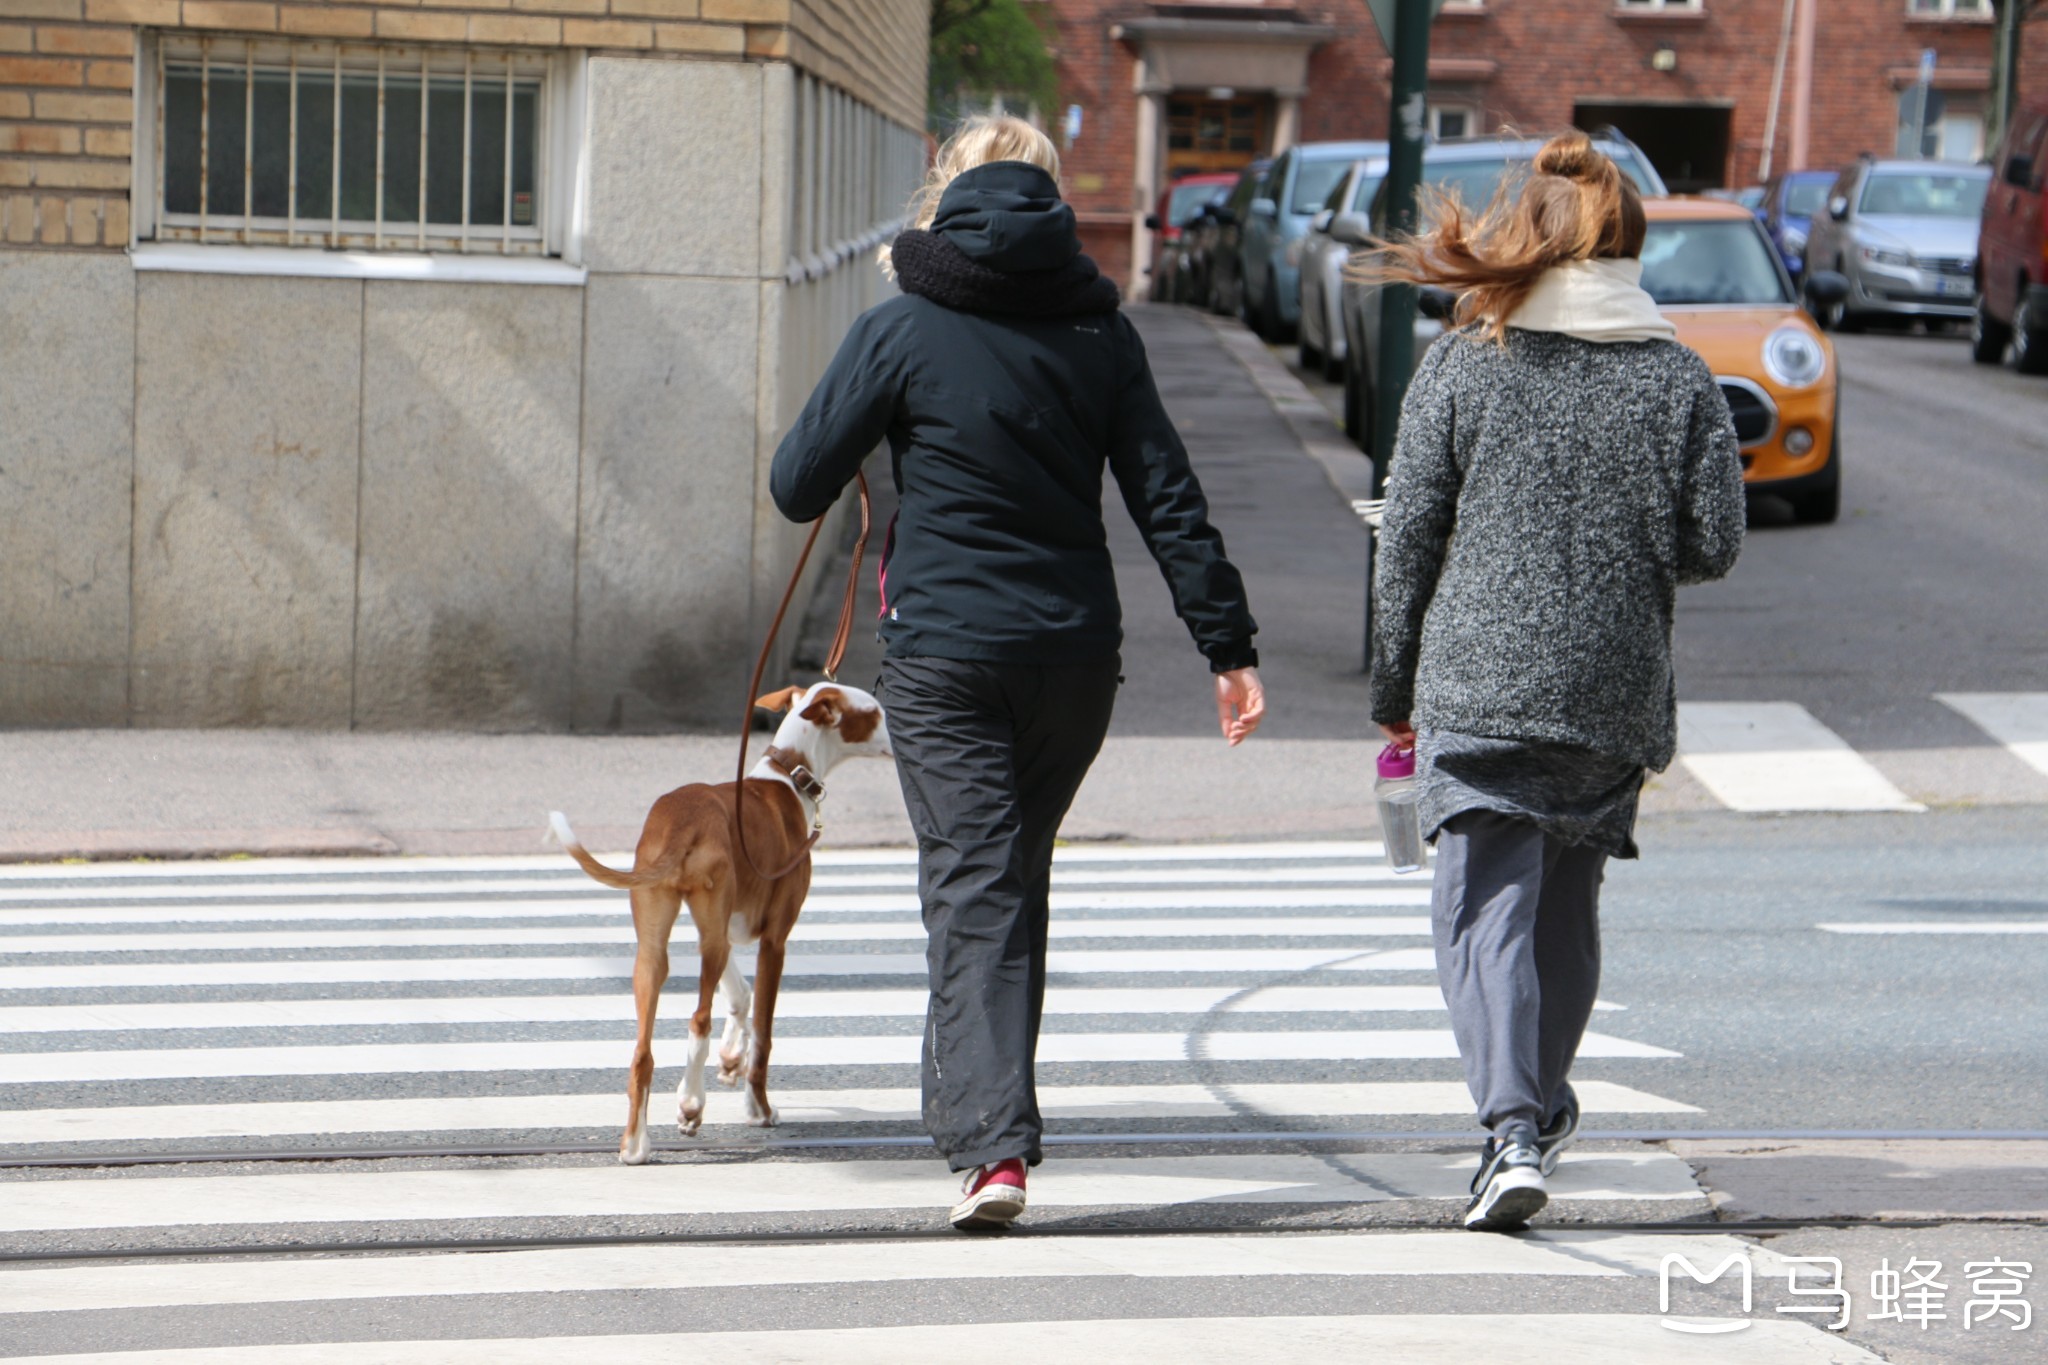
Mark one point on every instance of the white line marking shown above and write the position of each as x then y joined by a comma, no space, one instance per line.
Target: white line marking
2018,720
1411,1338
175,939
2034,926
318,868
543,1009
699,1188
1237,961
604,1112
101,1288
367,1059
1774,756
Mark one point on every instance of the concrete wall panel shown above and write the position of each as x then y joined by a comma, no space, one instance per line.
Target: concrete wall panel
470,412
675,168
67,463
669,501
245,499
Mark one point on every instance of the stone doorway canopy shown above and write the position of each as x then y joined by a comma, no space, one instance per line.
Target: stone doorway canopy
1248,50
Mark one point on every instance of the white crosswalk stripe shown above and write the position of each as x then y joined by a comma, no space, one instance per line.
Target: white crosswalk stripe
2018,720
1774,756
275,1007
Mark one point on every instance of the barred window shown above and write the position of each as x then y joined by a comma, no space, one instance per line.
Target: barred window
345,145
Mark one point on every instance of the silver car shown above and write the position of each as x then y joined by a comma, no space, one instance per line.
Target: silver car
1904,233
1322,267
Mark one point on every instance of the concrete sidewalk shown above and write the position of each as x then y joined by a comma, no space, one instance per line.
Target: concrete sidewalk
1164,774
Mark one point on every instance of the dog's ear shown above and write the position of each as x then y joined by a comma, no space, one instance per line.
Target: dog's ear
826,707
778,701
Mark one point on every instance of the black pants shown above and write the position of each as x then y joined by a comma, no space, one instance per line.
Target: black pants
990,756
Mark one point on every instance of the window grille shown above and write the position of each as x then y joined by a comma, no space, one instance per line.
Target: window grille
350,145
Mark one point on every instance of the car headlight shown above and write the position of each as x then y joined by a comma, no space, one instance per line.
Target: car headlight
1884,257
1794,358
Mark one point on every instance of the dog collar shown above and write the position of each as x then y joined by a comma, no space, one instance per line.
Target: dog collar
792,766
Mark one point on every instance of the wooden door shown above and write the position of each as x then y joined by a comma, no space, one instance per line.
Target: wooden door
1204,134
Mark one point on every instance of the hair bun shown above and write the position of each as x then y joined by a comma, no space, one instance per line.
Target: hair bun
1571,156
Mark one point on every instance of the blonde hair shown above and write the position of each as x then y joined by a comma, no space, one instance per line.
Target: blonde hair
1576,205
976,142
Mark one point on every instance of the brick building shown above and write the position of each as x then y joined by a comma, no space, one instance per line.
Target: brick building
415,363
1173,86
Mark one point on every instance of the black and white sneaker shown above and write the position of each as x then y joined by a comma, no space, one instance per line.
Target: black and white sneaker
1508,1191
1560,1132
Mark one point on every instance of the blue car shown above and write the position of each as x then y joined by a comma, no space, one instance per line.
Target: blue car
1790,201
1270,255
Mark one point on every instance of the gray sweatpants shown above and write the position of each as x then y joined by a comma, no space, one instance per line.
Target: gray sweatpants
1516,918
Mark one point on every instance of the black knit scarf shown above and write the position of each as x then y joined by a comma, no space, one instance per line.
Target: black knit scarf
931,267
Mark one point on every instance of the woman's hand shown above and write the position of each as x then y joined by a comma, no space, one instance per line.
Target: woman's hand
1401,733
1240,703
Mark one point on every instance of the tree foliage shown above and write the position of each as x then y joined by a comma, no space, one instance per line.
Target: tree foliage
984,48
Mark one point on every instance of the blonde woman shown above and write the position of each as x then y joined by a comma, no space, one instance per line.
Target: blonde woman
1004,380
1563,465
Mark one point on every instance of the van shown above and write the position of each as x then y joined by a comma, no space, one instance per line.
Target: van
2012,250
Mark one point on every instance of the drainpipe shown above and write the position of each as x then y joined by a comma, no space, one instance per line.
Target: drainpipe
1802,86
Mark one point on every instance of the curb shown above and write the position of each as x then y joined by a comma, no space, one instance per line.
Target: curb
1344,464
186,845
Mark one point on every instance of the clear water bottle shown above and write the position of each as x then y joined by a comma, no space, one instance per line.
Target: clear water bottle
1397,792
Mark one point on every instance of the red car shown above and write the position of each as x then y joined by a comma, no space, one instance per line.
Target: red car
2012,249
1178,205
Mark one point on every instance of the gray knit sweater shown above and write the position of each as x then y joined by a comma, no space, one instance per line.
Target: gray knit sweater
1547,497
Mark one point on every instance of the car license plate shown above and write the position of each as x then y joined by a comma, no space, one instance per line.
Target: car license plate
1954,288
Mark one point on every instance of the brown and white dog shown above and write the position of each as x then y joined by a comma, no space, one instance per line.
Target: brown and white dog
688,853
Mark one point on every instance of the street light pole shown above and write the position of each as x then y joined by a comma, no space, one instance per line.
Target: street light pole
1396,360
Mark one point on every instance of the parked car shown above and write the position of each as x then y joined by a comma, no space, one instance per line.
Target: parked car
1474,169
1323,258
1714,273
1791,199
1269,259
1222,239
1904,233
1750,197
1179,204
2012,250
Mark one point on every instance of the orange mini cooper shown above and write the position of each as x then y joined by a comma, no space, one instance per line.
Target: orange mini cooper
1714,273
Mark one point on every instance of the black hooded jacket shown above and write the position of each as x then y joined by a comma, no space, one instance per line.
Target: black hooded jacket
1004,379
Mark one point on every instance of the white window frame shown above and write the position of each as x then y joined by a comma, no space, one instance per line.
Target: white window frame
1653,6
550,250
1948,9
1436,109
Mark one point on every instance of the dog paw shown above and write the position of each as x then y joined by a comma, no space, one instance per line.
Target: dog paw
635,1147
729,1067
760,1114
690,1119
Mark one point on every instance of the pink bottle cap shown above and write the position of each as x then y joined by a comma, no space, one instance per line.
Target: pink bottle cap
1396,763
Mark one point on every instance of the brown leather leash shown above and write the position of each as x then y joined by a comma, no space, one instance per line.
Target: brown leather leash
832,662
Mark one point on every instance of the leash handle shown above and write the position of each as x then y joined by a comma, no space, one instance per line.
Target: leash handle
832,661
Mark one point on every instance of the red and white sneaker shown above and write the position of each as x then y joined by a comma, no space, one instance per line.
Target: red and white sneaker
994,1197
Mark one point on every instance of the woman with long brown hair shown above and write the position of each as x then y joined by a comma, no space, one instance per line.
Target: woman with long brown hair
1563,465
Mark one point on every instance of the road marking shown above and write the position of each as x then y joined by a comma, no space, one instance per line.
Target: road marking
100,1288
2018,720
372,905
178,939
604,1112
58,976
1412,1338
231,870
820,1004
1774,756
2024,926
379,1059
757,1187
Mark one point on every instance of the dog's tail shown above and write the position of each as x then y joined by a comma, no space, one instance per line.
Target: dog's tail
624,881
